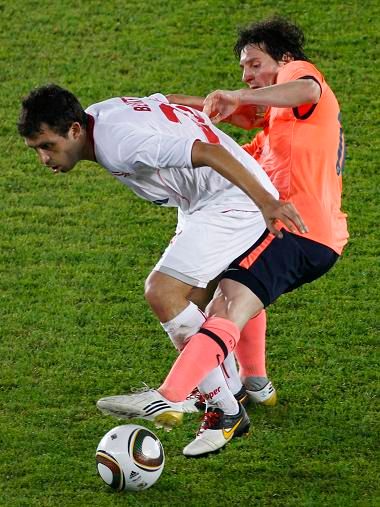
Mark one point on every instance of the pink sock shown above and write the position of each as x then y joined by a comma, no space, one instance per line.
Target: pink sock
204,351
250,351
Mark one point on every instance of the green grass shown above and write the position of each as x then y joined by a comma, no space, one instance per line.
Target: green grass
75,251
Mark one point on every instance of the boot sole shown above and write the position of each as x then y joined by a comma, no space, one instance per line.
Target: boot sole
168,420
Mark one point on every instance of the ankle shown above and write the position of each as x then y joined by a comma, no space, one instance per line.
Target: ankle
253,383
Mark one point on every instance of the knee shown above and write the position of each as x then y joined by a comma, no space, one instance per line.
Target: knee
218,307
166,296
154,292
238,311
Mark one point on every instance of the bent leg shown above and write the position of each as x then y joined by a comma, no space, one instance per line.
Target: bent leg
169,299
205,351
235,302
228,312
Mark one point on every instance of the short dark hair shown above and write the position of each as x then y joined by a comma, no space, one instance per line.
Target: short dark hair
53,105
276,36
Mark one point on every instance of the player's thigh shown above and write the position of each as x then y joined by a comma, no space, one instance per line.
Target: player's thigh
234,301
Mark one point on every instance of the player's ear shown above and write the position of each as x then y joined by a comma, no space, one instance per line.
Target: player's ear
75,130
286,58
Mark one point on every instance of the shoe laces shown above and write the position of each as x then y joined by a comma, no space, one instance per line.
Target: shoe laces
143,389
211,420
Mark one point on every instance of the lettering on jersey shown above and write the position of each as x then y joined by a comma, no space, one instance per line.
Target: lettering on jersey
120,174
171,112
341,155
136,104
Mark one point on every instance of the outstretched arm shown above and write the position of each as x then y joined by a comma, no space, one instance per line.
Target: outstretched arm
221,104
221,160
245,117
186,100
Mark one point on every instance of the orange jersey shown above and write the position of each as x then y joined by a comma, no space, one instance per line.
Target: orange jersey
302,151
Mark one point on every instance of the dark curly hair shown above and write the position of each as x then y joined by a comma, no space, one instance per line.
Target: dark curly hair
53,105
276,36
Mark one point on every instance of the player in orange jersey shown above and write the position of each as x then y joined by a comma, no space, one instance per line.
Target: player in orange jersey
301,140
301,148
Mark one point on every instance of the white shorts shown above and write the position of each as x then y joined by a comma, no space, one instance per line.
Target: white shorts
206,242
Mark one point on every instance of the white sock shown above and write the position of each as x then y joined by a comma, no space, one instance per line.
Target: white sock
184,325
255,383
217,393
231,373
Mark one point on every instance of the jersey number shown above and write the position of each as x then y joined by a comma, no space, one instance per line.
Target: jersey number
341,156
171,113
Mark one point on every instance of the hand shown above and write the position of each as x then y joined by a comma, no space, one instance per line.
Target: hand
287,213
221,104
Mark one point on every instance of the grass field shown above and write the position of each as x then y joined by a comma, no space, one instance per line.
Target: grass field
75,251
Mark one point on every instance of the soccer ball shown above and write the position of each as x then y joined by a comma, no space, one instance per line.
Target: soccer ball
130,457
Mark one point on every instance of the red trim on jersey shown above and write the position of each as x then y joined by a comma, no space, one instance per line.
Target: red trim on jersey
252,256
90,132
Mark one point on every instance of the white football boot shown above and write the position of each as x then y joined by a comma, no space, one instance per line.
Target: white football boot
148,404
216,430
265,396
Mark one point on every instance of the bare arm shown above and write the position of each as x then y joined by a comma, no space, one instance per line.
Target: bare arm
245,117
186,100
291,94
221,160
221,104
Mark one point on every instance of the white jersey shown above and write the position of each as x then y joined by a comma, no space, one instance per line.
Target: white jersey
146,143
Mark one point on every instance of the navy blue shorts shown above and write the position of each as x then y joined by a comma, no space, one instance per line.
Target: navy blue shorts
273,266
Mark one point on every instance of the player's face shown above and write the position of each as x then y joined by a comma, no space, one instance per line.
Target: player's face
259,68
59,153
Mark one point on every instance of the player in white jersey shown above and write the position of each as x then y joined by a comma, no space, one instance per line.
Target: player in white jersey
149,149
172,156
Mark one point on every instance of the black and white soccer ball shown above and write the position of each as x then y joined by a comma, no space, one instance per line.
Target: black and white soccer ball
130,457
